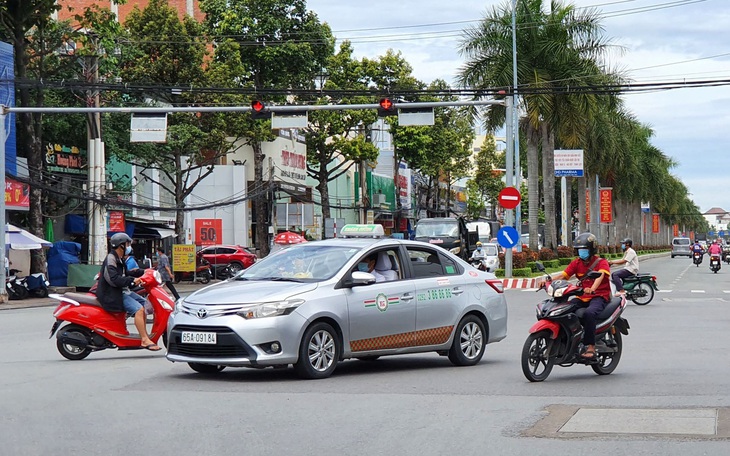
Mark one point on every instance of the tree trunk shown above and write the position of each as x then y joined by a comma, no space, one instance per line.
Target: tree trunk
533,182
260,201
548,183
325,198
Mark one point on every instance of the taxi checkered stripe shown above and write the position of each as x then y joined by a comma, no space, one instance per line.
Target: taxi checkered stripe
433,336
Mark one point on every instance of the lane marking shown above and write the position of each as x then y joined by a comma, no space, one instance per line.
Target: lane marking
696,291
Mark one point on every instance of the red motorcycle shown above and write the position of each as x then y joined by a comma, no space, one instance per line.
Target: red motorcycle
91,328
556,337
202,274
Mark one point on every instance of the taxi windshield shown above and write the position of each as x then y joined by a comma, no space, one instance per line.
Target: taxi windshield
305,263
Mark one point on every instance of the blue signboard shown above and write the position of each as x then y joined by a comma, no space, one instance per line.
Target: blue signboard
568,173
507,237
7,98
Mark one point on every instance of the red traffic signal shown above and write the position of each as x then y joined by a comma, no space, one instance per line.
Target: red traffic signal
387,108
259,111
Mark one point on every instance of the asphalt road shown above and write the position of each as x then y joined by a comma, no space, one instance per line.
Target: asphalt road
128,403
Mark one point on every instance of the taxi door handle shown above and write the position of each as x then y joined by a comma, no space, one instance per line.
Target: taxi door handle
406,297
457,291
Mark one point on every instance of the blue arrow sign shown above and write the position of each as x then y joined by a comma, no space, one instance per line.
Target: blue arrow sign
507,237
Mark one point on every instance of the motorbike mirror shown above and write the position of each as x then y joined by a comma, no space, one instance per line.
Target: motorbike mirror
540,267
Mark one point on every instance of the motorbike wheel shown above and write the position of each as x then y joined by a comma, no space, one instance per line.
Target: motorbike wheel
536,360
645,289
607,363
41,292
470,342
204,278
73,352
206,368
177,277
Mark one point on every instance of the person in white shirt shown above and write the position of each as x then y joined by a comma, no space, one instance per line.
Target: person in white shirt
384,268
631,260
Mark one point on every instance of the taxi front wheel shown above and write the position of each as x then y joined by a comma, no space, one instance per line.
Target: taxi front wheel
318,352
469,342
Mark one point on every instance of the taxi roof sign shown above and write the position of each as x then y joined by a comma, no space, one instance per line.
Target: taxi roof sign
363,231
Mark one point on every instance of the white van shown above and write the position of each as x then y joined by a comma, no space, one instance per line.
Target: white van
681,246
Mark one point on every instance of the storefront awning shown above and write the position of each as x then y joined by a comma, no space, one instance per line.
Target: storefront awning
164,232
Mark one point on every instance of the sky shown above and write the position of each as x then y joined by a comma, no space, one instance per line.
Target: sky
654,41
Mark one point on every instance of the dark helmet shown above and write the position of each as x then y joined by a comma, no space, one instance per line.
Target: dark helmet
119,239
628,242
585,241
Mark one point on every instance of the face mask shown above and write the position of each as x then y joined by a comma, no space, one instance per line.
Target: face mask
479,249
128,250
623,246
362,267
584,254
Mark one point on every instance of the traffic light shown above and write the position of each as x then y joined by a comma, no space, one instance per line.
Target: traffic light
259,111
387,108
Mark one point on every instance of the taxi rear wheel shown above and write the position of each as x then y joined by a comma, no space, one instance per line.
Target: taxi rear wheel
469,342
319,352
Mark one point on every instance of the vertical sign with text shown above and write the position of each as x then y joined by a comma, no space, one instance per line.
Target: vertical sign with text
606,204
654,223
675,229
588,206
208,231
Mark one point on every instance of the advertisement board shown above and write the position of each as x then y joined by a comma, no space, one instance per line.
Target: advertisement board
208,231
183,257
654,223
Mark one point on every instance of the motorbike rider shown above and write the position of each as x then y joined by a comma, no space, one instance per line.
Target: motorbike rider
697,247
597,292
115,280
714,248
631,260
479,255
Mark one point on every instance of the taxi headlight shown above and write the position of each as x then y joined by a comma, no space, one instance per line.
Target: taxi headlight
270,309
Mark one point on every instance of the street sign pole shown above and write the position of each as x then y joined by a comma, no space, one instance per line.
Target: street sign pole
508,214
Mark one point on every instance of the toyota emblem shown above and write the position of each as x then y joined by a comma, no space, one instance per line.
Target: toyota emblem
202,313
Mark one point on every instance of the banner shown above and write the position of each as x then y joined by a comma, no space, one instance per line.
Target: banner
675,228
116,221
17,195
183,257
655,223
208,231
606,204
588,206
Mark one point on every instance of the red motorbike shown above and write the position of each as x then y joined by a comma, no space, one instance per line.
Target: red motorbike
91,328
556,337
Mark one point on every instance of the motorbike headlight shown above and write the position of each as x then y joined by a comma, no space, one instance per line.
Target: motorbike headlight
455,250
158,277
270,309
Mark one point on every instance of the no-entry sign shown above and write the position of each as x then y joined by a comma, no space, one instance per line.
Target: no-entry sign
509,198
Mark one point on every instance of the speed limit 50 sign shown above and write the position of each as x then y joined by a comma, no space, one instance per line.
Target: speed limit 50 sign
208,231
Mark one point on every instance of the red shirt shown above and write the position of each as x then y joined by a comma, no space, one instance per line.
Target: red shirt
580,268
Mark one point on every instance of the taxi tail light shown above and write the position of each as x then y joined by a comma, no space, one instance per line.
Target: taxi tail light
497,284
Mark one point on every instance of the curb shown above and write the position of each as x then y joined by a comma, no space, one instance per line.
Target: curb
519,283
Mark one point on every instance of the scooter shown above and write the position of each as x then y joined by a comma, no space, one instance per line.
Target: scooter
479,264
202,273
14,285
697,258
715,263
556,337
640,288
36,284
91,328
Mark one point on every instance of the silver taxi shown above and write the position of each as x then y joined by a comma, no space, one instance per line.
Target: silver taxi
315,304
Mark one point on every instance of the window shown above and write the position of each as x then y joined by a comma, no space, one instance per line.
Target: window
425,263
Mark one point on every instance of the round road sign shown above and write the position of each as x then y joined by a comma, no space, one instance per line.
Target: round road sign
509,198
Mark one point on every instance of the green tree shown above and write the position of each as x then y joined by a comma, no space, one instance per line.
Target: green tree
281,45
486,181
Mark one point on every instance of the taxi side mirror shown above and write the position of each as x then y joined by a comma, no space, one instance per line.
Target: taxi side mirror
359,279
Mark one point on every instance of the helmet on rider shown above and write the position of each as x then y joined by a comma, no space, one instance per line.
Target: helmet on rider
628,242
119,239
585,241
479,244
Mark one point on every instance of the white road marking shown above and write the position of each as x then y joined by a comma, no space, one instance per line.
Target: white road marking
697,291
664,291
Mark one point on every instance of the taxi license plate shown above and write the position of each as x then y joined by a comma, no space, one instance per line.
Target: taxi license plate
199,337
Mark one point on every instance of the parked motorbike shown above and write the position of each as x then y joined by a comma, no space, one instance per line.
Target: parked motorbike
36,284
202,274
715,264
224,272
556,337
14,286
91,328
697,258
640,288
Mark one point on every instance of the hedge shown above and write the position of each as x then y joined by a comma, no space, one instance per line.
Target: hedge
522,272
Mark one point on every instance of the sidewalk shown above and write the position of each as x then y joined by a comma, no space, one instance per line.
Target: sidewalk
184,288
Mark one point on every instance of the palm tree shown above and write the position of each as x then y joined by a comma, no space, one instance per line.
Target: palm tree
555,49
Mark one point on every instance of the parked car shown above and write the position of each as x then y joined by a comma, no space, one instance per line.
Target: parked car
313,305
220,256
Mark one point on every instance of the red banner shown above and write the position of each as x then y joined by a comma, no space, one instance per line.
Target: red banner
17,194
606,194
208,231
675,228
654,223
116,221
588,206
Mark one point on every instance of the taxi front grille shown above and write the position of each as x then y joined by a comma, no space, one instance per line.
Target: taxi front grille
228,344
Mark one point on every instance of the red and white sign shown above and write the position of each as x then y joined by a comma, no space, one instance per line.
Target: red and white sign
655,223
588,206
606,204
208,231
17,194
675,230
509,198
116,221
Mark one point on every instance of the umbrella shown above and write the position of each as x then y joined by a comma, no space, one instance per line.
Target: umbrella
287,237
19,239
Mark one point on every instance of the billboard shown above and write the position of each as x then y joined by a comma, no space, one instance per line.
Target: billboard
7,98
